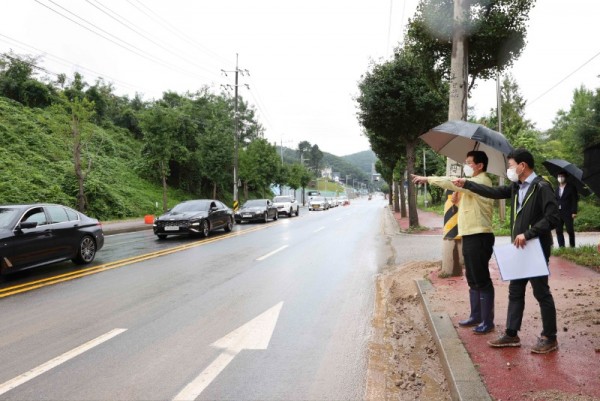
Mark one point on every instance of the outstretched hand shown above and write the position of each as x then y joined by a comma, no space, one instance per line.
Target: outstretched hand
459,182
418,179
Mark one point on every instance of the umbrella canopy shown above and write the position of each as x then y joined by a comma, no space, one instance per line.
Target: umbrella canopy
591,168
455,138
574,173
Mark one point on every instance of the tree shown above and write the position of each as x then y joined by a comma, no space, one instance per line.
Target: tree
303,150
396,105
258,165
75,123
316,156
17,82
496,32
572,130
159,124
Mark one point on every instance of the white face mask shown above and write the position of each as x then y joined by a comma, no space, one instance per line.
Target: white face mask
561,179
468,170
512,175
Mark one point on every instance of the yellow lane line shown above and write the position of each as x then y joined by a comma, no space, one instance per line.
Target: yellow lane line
17,289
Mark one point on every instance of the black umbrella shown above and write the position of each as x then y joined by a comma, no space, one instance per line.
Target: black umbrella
591,168
574,173
455,138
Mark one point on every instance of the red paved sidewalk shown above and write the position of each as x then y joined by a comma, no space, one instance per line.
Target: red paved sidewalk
433,222
515,373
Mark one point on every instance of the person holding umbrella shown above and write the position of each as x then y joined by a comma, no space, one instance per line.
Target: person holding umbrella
567,198
534,213
475,228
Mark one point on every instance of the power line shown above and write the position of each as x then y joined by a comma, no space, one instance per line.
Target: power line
165,24
130,26
129,47
65,62
564,79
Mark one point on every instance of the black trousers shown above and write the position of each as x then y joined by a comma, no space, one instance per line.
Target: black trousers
477,251
516,304
566,220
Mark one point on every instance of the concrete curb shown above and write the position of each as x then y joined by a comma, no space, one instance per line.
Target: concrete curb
464,380
124,227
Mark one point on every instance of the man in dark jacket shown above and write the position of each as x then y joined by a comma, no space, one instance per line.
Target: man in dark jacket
567,198
534,214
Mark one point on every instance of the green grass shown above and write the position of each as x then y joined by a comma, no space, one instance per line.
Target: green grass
586,255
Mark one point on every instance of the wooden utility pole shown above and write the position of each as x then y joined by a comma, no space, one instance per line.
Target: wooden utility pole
236,134
457,110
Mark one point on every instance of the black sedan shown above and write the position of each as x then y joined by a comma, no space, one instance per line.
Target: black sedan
194,217
257,210
39,234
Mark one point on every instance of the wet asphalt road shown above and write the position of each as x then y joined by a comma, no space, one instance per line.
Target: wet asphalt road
271,311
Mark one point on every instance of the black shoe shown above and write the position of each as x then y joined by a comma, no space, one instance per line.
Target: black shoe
545,345
483,328
505,341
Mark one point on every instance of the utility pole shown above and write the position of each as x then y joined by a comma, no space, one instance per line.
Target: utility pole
502,203
457,110
236,133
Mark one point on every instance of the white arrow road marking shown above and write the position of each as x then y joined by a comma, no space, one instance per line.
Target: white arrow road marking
43,368
256,334
318,229
272,253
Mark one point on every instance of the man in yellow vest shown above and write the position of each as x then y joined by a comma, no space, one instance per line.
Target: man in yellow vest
475,228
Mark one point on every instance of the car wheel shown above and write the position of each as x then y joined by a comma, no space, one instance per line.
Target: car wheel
229,225
86,251
161,236
276,216
297,211
266,217
204,228
290,212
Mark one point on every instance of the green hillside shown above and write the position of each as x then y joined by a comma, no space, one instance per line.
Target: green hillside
363,160
37,166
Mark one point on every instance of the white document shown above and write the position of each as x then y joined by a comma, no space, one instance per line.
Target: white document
517,263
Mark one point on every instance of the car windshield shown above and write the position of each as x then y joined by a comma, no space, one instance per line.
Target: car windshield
282,199
318,199
7,215
254,203
192,206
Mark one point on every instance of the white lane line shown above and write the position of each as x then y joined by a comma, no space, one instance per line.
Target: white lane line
43,368
319,229
272,253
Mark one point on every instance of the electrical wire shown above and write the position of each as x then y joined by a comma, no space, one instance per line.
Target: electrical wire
129,47
136,29
564,79
65,62
165,24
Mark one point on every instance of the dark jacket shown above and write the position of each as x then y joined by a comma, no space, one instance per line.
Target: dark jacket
567,203
539,215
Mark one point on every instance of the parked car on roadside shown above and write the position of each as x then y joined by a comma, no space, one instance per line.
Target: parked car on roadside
256,210
318,203
39,234
194,217
286,205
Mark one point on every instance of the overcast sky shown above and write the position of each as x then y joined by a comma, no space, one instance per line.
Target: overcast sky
304,58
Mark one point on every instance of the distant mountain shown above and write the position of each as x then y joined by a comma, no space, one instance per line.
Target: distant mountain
357,165
363,160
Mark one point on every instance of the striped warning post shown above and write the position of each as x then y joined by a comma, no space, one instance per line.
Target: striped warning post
236,205
450,218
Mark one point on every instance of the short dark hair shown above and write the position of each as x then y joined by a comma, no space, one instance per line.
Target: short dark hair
522,155
479,156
